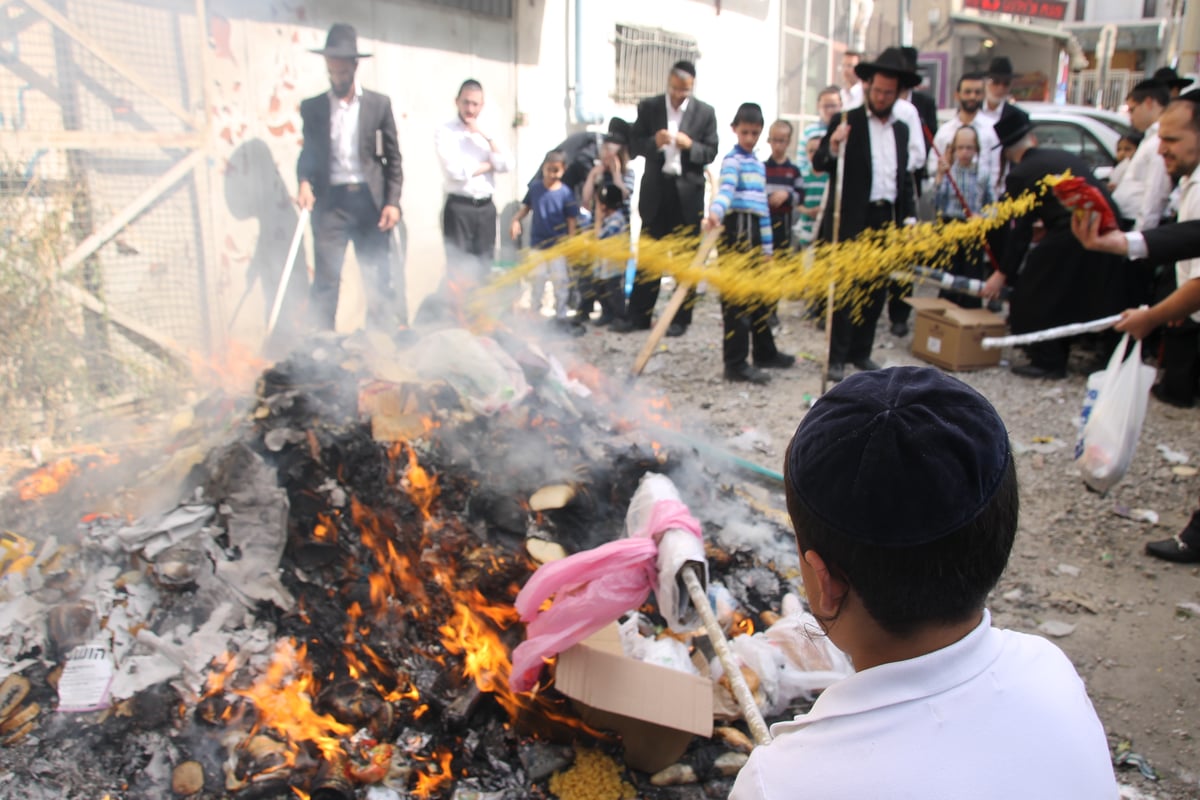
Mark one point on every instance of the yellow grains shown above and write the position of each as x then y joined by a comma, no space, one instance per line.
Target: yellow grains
594,776
856,268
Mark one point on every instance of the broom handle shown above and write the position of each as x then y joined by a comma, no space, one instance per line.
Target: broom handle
297,237
737,681
837,229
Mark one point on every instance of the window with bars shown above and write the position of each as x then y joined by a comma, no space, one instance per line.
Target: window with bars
490,8
645,57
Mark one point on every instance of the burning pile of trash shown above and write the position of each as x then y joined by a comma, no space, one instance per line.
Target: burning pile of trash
329,611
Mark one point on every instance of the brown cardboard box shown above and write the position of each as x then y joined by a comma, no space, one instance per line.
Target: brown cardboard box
951,336
656,710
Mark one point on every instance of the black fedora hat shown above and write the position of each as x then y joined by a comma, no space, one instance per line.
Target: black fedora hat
1012,125
618,131
341,42
890,62
1000,69
1170,78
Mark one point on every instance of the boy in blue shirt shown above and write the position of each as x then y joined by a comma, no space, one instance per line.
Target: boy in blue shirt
741,202
555,213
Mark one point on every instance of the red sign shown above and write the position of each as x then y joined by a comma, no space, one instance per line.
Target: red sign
1024,8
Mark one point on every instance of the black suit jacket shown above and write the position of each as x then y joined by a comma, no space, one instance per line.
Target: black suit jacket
1177,242
856,186
700,123
1037,163
378,147
927,110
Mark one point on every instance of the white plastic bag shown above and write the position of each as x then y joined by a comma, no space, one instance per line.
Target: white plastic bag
1111,434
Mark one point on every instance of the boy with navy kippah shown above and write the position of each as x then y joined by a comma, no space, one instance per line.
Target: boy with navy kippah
902,492
741,203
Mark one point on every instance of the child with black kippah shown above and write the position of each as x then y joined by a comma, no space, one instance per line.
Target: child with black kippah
903,495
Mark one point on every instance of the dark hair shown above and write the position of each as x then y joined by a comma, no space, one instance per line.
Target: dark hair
612,197
941,582
748,114
830,90
684,66
969,76
1133,137
469,83
854,53
1192,101
1149,90
555,157
790,128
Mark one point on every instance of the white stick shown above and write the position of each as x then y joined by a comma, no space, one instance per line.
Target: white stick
737,681
286,278
1061,332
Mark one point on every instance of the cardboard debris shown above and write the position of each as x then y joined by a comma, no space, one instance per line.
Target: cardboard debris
951,337
656,710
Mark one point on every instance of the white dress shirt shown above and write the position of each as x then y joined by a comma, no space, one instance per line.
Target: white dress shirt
672,159
461,153
1145,186
852,97
883,158
991,115
907,113
1189,209
996,715
345,166
989,150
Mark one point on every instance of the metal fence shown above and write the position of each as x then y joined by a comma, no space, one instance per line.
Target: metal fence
102,124
644,57
1084,87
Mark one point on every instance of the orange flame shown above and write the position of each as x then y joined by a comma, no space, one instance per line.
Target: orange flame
421,487
429,783
47,480
233,370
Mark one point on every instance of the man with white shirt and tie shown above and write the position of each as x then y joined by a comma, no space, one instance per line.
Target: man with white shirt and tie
349,176
470,159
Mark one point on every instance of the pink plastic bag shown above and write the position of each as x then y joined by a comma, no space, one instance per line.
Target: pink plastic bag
590,590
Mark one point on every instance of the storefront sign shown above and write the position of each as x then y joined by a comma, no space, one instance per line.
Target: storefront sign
1023,8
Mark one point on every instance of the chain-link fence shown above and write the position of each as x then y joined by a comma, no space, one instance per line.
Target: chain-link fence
103,270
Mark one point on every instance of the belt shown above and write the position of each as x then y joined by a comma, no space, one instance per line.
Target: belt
880,204
475,201
351,187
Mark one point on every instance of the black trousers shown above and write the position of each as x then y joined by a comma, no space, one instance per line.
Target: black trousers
849,339
645,287
469,232
348,214
746,326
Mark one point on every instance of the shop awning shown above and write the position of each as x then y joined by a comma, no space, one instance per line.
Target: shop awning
999,28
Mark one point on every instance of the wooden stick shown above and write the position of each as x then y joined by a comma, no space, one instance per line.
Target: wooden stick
286,278
733,671
681,291
837,229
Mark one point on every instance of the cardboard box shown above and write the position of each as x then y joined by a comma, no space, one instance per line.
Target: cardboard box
656,710
951,337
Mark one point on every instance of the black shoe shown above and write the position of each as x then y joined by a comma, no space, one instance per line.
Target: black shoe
675,329
621,325
836,372
865,365
776,361
1034,371
899,329
744,373
605,318
1173,549
569,327
1163,396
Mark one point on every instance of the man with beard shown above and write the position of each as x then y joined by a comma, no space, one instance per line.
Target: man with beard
970,98
349,175
1060,283
876,192
677,134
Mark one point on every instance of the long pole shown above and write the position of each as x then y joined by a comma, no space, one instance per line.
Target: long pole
286,278
838,181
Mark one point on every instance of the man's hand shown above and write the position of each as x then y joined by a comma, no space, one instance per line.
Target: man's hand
1086,227
778,198
710,222
1137,322
662,138
840,134
484,167
993,285
514,230
305,198
683,141
389,217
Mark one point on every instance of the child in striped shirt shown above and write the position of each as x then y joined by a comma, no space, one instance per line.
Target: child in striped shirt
741,203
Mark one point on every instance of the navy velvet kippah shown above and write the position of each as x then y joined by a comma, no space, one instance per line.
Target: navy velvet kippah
898,457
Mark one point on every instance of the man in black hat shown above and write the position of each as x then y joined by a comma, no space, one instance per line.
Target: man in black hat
876,191
902,493
350,176
677,134
1060,282
1170,78
997,88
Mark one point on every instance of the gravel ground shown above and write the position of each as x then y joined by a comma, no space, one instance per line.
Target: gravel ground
1077,565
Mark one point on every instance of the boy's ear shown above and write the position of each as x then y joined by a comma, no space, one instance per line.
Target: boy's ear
826,597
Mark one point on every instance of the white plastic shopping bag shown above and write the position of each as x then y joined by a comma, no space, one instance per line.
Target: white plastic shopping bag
1110,435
